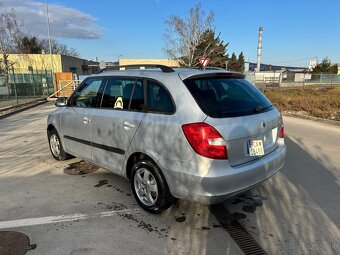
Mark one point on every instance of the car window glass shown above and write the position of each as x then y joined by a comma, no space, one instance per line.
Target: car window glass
137,99
227,97
88,95
159,99
117,93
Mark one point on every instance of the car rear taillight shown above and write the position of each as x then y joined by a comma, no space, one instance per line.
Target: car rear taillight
205,140
282,132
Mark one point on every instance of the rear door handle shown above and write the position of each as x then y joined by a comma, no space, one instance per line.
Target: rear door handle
128,125
86,120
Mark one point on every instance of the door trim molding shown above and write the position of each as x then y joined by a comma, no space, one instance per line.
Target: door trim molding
96,145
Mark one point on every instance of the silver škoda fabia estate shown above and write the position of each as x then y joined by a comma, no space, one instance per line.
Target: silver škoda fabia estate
201,135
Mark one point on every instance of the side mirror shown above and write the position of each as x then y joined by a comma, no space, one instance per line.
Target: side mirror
61,102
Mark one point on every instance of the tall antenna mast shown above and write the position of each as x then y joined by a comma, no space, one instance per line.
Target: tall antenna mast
49,39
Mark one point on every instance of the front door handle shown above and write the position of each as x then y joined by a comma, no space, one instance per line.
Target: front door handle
86,120
128,125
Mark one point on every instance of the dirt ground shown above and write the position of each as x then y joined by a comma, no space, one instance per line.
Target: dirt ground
321,103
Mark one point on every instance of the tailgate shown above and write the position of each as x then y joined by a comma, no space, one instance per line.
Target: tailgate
238,131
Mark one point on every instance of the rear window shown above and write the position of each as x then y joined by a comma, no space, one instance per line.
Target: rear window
227,97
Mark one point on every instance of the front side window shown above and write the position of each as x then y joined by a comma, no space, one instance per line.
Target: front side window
159,99
123,94
88,94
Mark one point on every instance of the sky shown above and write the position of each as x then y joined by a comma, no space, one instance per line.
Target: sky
294,31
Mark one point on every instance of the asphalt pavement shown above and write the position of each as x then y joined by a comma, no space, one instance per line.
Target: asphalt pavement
295,212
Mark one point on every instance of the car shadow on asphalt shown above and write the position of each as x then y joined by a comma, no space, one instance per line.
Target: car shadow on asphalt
295,211
309,173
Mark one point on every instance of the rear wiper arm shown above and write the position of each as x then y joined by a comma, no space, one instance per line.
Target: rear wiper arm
261,109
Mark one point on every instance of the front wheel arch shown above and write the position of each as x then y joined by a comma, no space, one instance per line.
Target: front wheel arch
50,127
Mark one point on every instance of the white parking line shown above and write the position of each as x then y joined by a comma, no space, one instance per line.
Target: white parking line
22,132
61,218
21,119
24,155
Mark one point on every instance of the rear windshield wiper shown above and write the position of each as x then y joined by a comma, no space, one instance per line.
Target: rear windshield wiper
260,108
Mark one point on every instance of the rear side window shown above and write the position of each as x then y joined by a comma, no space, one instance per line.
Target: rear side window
227,97
158,98
123,93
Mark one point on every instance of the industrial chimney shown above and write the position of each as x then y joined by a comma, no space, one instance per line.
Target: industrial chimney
259,50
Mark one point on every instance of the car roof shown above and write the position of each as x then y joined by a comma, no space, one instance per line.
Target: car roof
183,73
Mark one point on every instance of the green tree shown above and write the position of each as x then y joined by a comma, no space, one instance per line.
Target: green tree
29,45
241,62
326,67
335,69
33,45
233,63
212,47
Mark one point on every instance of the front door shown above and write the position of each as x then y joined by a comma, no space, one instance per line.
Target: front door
77,116
115,123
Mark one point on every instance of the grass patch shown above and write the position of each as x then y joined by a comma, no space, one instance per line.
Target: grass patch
321,103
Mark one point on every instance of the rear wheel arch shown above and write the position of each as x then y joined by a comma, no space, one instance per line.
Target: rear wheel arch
137,156
133,158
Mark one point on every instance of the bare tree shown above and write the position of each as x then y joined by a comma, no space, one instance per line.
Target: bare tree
58,48
10,34
183,36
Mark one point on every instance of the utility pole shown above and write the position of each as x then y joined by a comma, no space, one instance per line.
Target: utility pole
49,39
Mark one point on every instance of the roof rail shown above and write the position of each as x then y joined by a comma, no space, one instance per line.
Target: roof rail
164,68
207,67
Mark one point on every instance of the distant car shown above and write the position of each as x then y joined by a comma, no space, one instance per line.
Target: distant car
201,135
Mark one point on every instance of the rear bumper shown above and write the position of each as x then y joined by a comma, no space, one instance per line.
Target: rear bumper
212,181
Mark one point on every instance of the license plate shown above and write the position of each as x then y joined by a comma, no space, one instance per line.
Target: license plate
255,148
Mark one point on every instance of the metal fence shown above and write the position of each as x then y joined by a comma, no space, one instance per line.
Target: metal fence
20,86
293,79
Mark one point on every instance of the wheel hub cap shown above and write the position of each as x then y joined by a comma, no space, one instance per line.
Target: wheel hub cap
55,145
146,187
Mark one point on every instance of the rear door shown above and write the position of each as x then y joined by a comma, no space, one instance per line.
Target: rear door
115,123
76,118
239,112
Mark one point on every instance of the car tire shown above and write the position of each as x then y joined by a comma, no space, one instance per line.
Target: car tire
149,187
56,146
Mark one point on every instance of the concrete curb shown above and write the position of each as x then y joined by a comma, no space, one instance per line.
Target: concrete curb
20,108
306,117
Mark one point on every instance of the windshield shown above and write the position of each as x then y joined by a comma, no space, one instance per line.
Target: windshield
227,97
